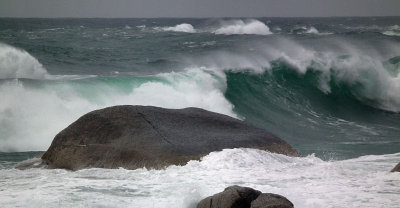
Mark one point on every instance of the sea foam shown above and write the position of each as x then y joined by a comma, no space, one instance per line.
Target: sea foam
52,105
306,181
312,30
184,27
239,27
342,63
17,63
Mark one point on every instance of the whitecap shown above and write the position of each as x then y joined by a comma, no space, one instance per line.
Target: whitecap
184,27
239,27
17,63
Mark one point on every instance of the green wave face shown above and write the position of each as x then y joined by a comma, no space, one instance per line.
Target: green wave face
328,86
338,124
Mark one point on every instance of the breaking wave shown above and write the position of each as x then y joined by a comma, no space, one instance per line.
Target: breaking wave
17,63
29,105
217,82
239,27
184,27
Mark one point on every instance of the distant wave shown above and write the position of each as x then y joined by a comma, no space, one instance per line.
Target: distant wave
312,30
308,30
393,30
184,27
394,27
231,27
17,63
239,27
391,33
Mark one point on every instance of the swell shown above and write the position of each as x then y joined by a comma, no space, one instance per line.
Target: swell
291,105
333,125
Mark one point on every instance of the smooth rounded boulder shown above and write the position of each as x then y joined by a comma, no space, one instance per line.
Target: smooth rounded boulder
144,136
244,197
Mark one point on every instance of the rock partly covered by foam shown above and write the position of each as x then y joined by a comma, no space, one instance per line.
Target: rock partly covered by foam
397,168
142,136
244,197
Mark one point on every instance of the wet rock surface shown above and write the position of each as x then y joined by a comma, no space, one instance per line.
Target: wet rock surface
143,136
244,197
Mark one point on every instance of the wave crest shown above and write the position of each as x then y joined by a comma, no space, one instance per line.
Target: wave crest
184,27
17,63
50,105
312,30
373,80
239,27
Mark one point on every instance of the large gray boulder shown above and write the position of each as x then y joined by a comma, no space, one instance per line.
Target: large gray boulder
244,197
397,168
142,136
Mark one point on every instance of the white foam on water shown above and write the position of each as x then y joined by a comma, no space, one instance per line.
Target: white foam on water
308,182
347,63
30,116
391,33
240,27
394,27
17,63
312,30
184,27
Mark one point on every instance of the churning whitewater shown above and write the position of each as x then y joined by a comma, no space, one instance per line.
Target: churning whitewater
307,182
330,87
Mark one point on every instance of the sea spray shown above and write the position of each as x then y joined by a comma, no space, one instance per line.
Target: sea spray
238,27
184,27
17,63
306,181
52,105
327,94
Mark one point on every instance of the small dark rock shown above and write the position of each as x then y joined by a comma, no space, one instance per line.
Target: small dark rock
269,200
397,168
244,197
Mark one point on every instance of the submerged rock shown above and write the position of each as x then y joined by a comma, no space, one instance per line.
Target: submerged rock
142,136
244,197
397,168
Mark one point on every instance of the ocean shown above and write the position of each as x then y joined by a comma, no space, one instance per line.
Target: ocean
330,87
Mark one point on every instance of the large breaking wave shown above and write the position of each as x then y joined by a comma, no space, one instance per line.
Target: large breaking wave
35,106
17,63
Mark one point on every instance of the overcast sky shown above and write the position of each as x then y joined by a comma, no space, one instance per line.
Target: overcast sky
197,8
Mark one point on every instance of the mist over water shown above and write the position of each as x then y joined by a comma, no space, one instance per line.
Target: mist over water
329,87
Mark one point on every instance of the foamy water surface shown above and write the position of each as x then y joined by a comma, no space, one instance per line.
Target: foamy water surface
308,182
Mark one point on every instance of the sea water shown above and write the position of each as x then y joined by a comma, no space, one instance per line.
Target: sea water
330,87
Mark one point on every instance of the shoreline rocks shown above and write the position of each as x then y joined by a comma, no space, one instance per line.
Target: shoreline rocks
143,136
244,197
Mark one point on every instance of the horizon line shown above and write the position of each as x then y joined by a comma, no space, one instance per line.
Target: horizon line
67,17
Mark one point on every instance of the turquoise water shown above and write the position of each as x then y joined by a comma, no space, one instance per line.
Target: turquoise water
328,86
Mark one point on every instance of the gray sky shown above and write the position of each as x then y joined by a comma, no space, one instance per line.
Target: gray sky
197,8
